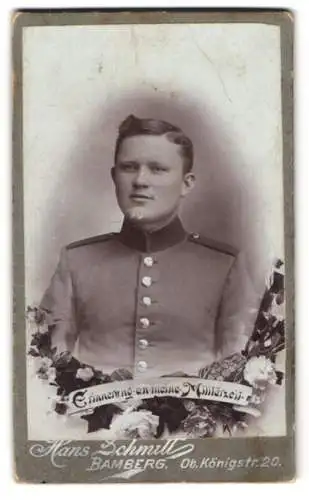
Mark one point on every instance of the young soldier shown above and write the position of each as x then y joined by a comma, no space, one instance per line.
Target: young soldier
152,298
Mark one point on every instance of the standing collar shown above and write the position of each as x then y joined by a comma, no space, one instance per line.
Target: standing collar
134,237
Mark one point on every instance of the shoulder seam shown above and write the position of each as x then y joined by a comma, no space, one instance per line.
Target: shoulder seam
213,244
90,241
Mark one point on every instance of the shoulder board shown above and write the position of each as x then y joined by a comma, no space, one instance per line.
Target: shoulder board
213,244
90,241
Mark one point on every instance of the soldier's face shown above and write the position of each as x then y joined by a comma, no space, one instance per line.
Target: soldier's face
150,179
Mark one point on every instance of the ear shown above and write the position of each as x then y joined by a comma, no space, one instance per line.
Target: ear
113,173
188,183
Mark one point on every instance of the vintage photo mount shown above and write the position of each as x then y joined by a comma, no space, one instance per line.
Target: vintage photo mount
264,459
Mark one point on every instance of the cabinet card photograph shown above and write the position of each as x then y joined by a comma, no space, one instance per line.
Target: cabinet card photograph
153,262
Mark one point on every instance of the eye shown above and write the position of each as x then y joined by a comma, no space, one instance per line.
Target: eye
128,166
158,169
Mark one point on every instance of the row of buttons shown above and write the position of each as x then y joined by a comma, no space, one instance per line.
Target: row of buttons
144,322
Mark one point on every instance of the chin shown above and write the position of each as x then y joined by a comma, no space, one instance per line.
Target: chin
136,214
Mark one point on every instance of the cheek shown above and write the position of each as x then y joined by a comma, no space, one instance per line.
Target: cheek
122,185
172,189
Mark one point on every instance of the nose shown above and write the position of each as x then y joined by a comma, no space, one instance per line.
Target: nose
141,177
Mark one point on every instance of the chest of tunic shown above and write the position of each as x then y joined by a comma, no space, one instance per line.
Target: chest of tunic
150,312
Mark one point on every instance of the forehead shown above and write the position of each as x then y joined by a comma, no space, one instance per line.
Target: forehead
155,148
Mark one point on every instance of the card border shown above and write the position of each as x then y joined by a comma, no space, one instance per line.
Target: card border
29,469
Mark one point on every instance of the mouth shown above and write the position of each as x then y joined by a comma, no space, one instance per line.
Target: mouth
140,197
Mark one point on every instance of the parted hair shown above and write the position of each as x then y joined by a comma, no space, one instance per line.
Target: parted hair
133,126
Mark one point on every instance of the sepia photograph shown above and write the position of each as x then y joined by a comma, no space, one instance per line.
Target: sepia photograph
154,292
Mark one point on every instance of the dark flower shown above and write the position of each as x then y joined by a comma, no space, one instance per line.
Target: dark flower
60,408
229,369
171,412
199,423
101,417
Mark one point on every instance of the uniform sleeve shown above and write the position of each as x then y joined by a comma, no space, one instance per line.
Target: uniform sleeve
237,312
58,300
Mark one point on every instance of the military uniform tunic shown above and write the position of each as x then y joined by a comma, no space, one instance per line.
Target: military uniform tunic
153,303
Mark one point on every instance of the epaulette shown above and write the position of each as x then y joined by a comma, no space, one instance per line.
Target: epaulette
90,241
213,244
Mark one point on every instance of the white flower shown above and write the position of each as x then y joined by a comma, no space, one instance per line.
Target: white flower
31,315
35,364
43,328
189,405
85,374
54,400
32,328
259,372
35,350
129,404
257,399
34,314
51,374
135,424
44,364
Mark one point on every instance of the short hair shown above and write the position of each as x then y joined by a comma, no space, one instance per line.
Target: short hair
133,126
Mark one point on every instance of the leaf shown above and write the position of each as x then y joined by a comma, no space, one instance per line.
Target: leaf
44,351
61,408
280,376
99,379
226,428
278,283
160,428
67,362
42,341
33,353
121,374
171,412
101,417
60,391
68,382
228,368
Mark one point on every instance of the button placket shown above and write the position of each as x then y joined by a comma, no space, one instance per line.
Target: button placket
147,279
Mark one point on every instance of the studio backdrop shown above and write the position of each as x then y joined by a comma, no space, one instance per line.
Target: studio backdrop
219,82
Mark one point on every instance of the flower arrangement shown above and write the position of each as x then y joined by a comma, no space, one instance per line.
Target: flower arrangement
150,418
134,424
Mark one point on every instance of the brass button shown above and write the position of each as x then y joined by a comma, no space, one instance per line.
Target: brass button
146,301
143,343
144,322
142,366
148,261
195,236
146,280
